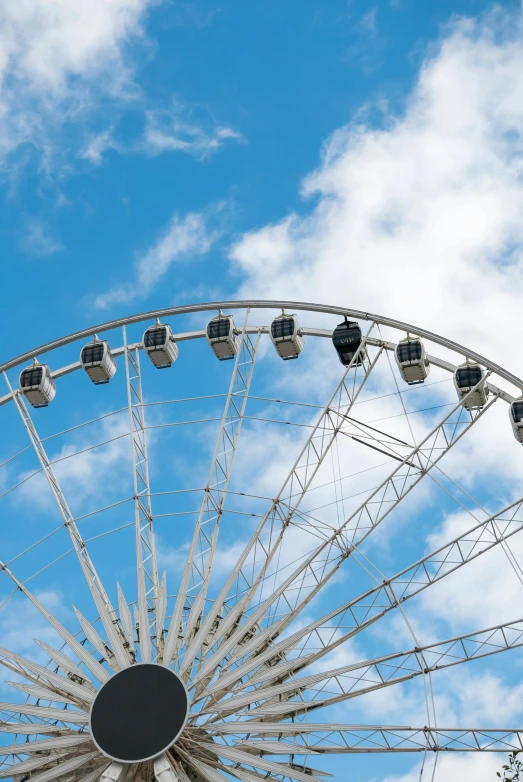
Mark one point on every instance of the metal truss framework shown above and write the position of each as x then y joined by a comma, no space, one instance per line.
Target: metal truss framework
244,669
196,575
147,569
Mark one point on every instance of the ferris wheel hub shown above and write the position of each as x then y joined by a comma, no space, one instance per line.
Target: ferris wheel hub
139,713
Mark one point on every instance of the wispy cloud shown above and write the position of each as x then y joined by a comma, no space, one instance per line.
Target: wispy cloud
58,61
38,240
185,237
180,130
421,211
96,146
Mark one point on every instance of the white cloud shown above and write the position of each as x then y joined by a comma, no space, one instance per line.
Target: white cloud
55,56
420,219
185,237
97,145
177,131
38,240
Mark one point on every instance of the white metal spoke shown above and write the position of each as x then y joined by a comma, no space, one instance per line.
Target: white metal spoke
30,747
73,716
278,517
94,638
76,647
77,691
32,729
33,763
67,665
340,739
40,693
147,571
196,574
65,768
96,587
234,754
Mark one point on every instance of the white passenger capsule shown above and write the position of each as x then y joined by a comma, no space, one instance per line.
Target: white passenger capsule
159,344
516,418
286,336
98,361
466,377
223,337
37,384
412,360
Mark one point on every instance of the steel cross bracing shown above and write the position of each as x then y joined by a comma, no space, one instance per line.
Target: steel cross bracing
121,656
276,662
273,700
197,571
245,577
298,589
333,739
147,570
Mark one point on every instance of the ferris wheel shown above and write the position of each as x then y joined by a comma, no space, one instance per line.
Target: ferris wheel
215,598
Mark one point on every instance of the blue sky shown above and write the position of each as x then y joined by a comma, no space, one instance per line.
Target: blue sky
355,153
280,77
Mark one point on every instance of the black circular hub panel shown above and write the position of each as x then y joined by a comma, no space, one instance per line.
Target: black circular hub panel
139,713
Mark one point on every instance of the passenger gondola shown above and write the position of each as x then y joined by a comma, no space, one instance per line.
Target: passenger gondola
98,361
37,384
411,359
286,336
516,418
160,345
346,339
466,377
223,337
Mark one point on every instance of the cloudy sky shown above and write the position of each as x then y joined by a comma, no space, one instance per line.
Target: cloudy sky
357,153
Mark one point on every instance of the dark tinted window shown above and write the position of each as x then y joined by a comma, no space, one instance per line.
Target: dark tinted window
517,411
346,336
31,377
282,327
409,351
92,353
219,328
155,337
468,376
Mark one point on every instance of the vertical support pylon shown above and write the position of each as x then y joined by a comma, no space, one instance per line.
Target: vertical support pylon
146,566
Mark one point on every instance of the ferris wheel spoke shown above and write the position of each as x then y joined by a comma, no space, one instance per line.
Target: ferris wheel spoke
89,661
100,597
350,681
318,567
72,764
78,692
45,745
40,692
146,565
264,764
197,571
338,625
55,760
73,716
208,773
333,739
263,545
